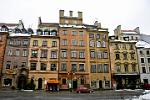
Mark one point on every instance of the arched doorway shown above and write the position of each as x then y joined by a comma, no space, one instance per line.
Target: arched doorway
40,83
22,81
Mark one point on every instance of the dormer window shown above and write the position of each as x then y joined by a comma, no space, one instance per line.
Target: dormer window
46,32
17,30
39,32
4,28
30,31
53,33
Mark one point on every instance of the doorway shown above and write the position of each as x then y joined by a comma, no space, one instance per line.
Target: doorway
74,84
40,83
100,84
22,81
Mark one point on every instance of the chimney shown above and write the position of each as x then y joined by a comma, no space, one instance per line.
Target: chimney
71,13
39,21
137,30
79,14
61,13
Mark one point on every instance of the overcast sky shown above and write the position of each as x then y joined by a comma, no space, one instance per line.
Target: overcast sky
111,13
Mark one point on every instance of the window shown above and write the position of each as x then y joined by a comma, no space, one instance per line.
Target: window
73,54
8,64
74,33
53,33
91,35
25,42
125,56
99,54
93,68
147,52
133,67
17,52
81,67
43,53
142,60
18,42
97,36
11,42
74,42
131,47
33,66
116,46
74,67
126,67
82,81
124,46
35,42
106,69
63,67
44,43
64,54
118,68
141,52
92,54
105,55
81,54
24,53
131,37
103,44
9,52
64,81
92,43
64,32
53,67
81,33
104,36
143,70
132,56
43,66
117,56
81,43
148,60
98,44
54,54
64,42
54,43
34,53
99,68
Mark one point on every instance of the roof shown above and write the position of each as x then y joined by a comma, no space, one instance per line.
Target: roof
9,24
19,34
49,24
142,44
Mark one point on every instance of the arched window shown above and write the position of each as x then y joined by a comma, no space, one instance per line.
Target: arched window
30,31
98,44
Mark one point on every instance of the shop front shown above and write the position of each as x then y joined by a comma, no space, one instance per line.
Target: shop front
52,85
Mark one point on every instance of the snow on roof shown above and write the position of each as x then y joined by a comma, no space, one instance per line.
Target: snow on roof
74,26
19,34
142,44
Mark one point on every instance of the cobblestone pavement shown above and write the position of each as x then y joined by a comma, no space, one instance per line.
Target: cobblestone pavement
66,95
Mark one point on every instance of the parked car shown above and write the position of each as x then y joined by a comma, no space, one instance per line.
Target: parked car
82,89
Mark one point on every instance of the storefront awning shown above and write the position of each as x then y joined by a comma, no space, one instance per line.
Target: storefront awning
53,81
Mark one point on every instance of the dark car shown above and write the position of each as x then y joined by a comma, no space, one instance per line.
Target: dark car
82,89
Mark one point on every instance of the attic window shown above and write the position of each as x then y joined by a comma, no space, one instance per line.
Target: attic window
4,28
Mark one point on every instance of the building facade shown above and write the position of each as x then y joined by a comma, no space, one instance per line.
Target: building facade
124,62
15,71
44,59
143,49
3,41
74,68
